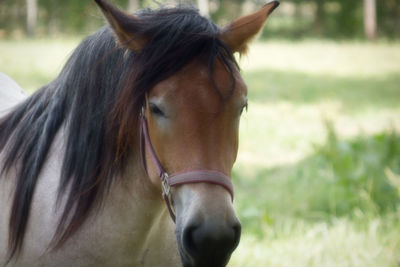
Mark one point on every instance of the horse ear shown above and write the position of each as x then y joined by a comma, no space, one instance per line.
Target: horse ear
239,32
124,25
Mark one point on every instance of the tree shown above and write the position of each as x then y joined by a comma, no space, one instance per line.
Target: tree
31,16
370,19
319,16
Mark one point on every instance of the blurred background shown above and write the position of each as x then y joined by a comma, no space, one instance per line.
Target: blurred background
318,172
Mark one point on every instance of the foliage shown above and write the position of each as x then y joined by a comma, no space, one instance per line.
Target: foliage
334,19
337,207
342,178
388,16
357,170
315,18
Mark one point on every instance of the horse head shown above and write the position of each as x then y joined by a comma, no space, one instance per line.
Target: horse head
192,122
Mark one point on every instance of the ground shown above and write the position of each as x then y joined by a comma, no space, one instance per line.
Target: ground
317,177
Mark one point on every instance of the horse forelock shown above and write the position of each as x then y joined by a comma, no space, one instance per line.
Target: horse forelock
98,96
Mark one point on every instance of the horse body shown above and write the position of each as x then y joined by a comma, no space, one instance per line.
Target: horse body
77,188
108,238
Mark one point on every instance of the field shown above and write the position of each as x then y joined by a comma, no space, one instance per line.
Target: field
318,173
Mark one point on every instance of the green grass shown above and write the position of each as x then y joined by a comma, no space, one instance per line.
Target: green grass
33,63
317,177
353,93
341,242
334,59
317,145
340,178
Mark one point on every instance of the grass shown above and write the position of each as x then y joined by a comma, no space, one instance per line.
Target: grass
303,88
341,178
33,63
317,176
334,59
321,130
341,242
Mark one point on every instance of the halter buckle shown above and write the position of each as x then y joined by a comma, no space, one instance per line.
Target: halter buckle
166,188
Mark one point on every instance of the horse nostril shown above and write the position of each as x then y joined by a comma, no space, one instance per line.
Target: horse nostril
187,239
211,242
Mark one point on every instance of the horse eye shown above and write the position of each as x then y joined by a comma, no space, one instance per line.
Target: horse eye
244,108
156,110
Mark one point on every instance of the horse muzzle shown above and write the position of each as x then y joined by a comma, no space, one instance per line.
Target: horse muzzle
209,244
207,228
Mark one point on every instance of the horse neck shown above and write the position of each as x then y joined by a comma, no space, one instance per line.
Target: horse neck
135,185
140,218
134,191
132,210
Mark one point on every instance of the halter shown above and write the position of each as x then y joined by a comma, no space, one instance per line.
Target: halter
179,178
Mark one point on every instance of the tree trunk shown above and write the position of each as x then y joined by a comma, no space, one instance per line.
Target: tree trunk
204,7
370,19
319,17
133,6
31,16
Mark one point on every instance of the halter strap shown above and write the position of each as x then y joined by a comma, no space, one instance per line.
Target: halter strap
189,177
145,142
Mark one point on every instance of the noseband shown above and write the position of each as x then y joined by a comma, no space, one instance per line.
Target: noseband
179,178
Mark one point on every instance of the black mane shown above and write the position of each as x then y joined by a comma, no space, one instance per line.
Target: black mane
97,97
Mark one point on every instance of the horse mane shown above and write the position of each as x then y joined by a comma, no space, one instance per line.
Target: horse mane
97,99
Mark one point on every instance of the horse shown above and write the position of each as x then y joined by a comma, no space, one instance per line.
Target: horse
125,158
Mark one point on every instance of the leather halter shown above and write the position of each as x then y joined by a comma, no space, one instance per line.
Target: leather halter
179,178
